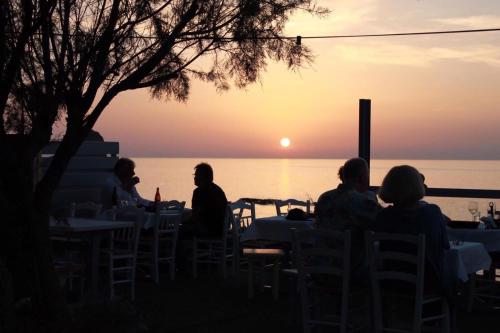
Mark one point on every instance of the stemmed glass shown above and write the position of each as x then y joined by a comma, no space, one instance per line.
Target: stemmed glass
473,209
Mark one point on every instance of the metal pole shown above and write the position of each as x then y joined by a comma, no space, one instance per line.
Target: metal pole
364,129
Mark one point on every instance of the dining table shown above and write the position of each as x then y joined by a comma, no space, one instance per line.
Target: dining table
94,230
275,228
468,258
490,238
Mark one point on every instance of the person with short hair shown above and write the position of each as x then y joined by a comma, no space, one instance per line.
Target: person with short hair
124,180
350,204
209,203
350,207
403,188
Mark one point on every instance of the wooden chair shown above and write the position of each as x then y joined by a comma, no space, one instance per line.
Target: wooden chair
323,259
218,250
122,251
243,213
291,203
391,268
160,246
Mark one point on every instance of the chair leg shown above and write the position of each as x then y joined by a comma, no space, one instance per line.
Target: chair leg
276,279
195,253
224,266
111,279
470,288
446,320
250,279
172,269
344,309
132,283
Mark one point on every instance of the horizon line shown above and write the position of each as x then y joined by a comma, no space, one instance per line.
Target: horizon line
313,158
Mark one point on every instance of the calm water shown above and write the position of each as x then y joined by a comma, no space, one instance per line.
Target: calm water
307,178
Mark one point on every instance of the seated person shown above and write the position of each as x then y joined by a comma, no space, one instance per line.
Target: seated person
124,181
350,207
208,204
403,187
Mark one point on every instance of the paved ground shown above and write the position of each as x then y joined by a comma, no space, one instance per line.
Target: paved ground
210,304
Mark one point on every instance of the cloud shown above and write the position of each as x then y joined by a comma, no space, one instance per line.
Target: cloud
346,16
472,22
404,55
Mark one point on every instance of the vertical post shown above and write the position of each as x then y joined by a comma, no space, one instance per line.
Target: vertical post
364,129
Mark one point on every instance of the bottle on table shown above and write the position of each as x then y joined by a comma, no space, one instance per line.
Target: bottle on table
157,196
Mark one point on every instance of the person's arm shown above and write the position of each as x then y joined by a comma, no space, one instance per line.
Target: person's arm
140,200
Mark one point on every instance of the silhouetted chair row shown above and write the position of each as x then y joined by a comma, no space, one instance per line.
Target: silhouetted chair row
329,298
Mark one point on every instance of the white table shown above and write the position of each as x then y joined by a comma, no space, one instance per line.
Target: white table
150,217
469,257
94,230
490,238
275,228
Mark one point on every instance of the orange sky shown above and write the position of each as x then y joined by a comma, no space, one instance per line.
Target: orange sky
432,96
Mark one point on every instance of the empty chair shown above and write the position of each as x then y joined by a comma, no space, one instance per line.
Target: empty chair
219,250
399,275
160,246
243,213
323,259
291,203
122,251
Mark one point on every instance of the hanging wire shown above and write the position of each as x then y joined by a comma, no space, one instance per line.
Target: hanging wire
298,39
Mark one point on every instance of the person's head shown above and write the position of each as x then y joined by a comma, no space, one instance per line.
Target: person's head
403,185
124,169
203,174
354,173
423,181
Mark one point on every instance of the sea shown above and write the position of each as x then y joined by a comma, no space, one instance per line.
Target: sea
306,179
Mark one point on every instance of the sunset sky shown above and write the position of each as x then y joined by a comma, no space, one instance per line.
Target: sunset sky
432,96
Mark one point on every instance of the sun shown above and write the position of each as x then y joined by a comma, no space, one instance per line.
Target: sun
285,142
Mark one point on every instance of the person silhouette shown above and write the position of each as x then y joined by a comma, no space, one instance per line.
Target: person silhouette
208,203
124,181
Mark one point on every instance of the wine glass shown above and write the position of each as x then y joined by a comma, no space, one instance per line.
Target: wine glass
473,209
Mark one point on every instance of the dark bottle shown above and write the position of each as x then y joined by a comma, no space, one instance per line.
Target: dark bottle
114,198
157,196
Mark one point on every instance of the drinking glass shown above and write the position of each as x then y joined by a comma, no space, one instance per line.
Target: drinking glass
473,209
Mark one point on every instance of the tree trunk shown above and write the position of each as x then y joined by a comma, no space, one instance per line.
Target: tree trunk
25,245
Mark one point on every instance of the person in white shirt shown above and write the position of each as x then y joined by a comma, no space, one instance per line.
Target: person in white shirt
124,180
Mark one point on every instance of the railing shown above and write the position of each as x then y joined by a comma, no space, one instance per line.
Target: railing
457,193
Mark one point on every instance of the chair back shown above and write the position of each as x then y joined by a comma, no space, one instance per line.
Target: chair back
291,203
321,252
323,259
128,236
396,259
87,209
168,223
243,213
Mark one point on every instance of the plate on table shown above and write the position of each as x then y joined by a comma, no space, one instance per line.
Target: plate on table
463,224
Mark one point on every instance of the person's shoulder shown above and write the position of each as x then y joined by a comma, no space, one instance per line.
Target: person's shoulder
327,195
429,209
215,187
